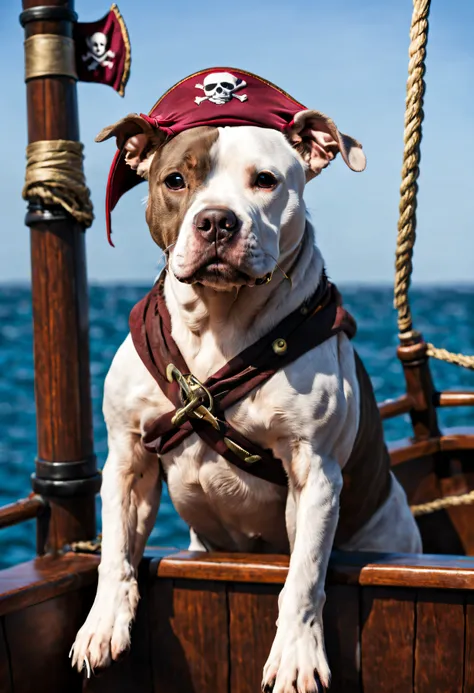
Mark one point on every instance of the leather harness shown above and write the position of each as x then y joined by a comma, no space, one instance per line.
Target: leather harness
200,407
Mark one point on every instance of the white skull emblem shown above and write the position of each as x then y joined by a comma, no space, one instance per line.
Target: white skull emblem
98,44
98,55
220,88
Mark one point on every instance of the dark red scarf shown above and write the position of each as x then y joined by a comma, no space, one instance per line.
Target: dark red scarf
315,321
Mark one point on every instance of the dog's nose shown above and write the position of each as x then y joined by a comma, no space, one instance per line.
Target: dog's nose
216,223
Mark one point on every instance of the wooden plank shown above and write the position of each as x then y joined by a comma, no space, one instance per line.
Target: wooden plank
342,636
388,634
5,673
469,650
406,449
253,612
439,651
228,567
189,636
39,639
367,569
30,583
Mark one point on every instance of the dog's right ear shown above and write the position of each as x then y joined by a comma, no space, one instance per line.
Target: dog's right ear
138,138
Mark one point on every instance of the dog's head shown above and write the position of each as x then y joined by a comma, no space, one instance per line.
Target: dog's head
226,202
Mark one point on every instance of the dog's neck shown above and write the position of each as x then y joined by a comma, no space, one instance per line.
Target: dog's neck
205,320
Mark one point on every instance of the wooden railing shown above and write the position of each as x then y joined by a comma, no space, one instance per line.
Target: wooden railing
21,511
206,623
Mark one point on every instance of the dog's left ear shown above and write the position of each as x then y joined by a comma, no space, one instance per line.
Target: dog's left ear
138,138
317,139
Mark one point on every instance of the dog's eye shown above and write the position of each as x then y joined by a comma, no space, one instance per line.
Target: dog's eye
266,180
175,181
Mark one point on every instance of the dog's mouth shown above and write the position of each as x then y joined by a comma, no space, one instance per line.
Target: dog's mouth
219,272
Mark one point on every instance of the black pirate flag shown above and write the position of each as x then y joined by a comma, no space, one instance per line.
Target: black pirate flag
103,51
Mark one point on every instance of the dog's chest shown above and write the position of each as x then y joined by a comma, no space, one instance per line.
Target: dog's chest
232,509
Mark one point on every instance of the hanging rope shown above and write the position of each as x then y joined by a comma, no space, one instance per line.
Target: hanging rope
411,159
54,173
409,188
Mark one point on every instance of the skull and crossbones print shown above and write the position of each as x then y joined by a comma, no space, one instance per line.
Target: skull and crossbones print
98,53
220,88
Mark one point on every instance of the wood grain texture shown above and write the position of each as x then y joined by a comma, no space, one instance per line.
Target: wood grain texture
342,635
60,307
189,636
387,641
345,568
39,639
469,645
420,388
6,683
200,565
21,510
439,651
36,581
253,612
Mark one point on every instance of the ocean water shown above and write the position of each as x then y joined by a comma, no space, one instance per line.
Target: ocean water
444,315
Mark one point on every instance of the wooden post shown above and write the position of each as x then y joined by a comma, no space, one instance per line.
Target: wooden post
66,472
420,388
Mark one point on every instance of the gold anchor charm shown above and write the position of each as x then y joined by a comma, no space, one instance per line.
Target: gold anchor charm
196,398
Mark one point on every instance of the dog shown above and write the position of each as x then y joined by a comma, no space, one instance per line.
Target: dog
226,205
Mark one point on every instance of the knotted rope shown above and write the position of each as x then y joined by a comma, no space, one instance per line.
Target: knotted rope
409,188
54,173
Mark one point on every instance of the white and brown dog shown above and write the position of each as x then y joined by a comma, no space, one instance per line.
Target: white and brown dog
226,202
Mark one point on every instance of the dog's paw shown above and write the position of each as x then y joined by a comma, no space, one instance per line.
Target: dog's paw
297,662
105,636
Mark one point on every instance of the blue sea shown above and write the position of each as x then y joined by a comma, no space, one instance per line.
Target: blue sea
444,315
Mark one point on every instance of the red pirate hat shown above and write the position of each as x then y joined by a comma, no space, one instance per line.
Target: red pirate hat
219,96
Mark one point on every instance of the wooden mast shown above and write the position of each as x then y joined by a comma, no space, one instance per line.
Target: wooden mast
66,472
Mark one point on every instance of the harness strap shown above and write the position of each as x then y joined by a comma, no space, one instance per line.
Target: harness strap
316,320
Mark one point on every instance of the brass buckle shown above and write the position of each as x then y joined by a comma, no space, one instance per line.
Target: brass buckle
196,398
198,402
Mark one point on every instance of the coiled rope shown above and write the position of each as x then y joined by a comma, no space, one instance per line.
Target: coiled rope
55,174
409,187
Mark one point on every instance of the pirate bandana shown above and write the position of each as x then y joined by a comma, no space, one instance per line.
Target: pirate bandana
216,97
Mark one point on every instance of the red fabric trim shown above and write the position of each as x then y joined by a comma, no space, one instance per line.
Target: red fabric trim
267,106
108,197
150,326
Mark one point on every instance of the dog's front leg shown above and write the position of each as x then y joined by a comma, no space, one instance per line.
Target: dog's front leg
130,497
298,656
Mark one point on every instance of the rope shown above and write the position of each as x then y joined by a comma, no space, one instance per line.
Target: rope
442,503
88,546
54,173
450,357
411,159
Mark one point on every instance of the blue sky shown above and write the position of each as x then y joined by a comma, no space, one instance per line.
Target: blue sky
346,58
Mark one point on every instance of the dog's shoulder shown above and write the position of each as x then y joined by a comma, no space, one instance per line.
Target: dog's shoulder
130,393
